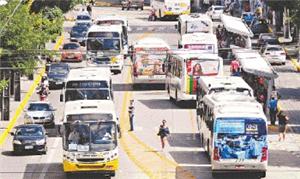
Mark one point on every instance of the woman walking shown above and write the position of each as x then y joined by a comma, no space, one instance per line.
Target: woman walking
282,121
163,132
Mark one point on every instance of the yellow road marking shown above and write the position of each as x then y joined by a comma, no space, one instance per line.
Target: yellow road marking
153,164
295,64
26,99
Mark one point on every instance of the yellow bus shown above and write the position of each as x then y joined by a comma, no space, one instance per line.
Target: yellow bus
164,8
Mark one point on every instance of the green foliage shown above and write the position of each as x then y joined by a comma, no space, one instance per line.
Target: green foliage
64,5
26,67
3,84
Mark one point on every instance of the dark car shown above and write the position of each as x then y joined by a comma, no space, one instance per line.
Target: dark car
57,74
137,4
259,26
267,38
78,34
29,137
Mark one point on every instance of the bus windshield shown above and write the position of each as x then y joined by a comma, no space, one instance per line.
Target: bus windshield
87,94
199,67
90,136
240,138
103,44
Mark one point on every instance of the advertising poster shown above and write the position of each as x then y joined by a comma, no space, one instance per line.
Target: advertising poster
240,138
150,62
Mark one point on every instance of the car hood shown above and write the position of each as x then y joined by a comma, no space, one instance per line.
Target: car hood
31,138
39,113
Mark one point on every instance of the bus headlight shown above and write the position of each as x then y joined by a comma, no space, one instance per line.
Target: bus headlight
114,60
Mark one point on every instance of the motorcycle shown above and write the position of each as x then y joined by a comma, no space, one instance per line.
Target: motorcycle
152,16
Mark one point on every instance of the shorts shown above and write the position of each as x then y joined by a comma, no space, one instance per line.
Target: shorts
282,128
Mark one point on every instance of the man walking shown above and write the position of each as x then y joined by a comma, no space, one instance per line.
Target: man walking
131,114
273,110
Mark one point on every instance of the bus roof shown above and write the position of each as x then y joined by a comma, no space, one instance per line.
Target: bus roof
112,17
227,82
236,25
187,54
105,28
195,17
151,42
203,38
89,107
89,73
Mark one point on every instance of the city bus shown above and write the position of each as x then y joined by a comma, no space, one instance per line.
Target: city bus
202,42
233,132
106,41
90,137
184,67
148,58
91,83
115,20
167,8
195,22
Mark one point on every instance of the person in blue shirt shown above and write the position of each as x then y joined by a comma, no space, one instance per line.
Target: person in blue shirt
273,110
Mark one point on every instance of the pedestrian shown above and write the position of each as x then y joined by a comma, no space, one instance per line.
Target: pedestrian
235,67
89,9
282,121
273,110
163,133
131,114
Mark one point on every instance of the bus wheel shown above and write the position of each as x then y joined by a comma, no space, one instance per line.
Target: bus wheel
159,15
207,149
202,139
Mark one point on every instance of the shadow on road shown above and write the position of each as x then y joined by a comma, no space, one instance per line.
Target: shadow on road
137,87
184,140
283,158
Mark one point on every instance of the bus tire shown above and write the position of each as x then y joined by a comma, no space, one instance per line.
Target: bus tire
159,15
208,149
202,139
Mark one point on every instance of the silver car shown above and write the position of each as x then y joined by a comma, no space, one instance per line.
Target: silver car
40,112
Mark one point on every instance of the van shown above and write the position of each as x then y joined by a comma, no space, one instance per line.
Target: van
137,4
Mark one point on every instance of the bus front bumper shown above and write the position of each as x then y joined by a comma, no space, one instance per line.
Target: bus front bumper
170,13
105,168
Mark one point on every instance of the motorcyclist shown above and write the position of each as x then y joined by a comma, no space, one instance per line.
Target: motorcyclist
43,92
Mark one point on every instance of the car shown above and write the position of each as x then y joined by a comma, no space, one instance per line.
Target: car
275,54
29,137
57,74
71,52
215,12
267,38
40,112
137,4
84,17
78,34
99,61
248,17
259,26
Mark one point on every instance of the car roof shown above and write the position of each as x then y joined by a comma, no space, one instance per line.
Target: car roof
59,64
40,102
71,43
29,125
84,13
277,46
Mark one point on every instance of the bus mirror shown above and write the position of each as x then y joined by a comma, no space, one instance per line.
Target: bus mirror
61,98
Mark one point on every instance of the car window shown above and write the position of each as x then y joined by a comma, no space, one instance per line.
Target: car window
70,46
58,69
29,131
39,107
83,17
218,8
274,49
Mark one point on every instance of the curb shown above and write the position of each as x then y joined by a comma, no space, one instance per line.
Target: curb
295,64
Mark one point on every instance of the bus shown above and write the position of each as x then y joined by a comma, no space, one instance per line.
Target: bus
184,67
91,83
106,42
233,131
148,58
167,8
195,22
90,137
202,42
115,20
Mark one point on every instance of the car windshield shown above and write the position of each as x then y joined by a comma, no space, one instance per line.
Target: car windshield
88,94
70,46
58,69
219,8
39,107
83,17
79,30
103,44
90,136
83,24
29,131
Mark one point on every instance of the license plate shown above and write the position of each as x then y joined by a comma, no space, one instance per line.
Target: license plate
29,147
59,83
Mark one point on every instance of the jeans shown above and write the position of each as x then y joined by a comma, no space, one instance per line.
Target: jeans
131,123
273,116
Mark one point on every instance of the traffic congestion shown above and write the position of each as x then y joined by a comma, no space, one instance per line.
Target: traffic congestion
159,91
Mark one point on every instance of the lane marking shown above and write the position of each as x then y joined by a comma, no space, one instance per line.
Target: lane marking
295,64
49,158
24,102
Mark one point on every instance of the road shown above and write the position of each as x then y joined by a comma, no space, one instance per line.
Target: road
140,153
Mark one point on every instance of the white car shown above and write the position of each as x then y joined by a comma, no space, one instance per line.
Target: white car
215,12
84,17
275,54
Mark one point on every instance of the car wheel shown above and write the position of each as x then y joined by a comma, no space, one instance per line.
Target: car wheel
128,8
122,8
283,63
142,8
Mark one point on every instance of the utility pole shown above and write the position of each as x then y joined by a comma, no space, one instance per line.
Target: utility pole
5,99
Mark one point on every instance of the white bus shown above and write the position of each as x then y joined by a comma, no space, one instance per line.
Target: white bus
201,42
164,8
148,58
106,42
233,131
184,68
90,137
115,20
195,22
92,83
